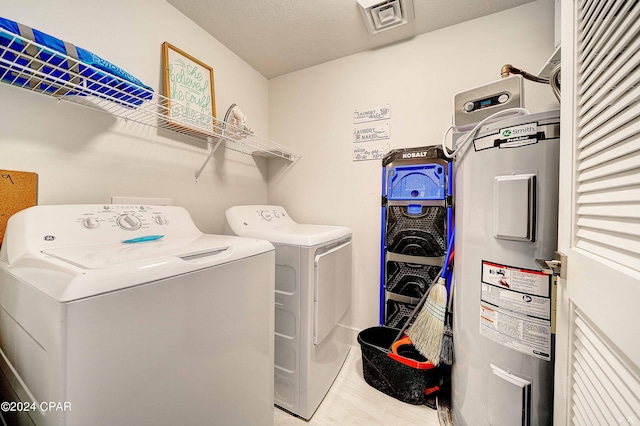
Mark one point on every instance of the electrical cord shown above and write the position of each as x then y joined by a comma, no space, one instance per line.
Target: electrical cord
469,136
554,80
234,126
226,115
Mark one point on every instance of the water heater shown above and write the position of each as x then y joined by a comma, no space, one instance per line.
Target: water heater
506,202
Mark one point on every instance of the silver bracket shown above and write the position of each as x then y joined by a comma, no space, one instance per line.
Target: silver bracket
556,266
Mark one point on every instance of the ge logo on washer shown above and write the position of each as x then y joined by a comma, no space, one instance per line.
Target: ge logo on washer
49,238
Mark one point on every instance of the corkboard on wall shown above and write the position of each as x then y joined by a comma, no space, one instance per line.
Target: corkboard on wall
18,190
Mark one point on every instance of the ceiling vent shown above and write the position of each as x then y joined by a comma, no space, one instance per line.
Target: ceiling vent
380,16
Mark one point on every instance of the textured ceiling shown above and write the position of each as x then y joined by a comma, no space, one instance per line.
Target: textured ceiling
280,36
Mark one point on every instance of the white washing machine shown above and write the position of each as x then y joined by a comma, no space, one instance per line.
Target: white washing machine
313,293
129,315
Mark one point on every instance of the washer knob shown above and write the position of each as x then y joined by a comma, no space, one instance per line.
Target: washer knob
128,222
90,223
161,220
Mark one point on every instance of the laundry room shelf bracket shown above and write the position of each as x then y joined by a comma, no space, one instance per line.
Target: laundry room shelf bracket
37,68
206,161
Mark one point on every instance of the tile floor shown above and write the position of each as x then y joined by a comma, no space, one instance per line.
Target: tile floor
351,401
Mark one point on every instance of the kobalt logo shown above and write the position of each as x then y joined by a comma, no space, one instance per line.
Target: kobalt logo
414,154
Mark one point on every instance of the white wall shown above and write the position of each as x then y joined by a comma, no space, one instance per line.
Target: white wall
85,156
311,111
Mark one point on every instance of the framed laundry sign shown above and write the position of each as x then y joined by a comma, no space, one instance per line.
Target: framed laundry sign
188,86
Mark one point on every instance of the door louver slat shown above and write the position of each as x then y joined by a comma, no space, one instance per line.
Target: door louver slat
610,168
617,146
613,181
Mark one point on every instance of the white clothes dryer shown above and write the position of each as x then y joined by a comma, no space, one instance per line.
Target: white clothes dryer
313,293
129,315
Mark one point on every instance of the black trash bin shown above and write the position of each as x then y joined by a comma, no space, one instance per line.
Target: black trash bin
406,376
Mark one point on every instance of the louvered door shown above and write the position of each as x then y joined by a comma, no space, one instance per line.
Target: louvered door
598,333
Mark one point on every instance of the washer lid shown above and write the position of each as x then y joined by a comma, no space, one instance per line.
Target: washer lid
274,224
99,256
77,272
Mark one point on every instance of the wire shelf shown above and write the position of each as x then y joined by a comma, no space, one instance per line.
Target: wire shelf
32,66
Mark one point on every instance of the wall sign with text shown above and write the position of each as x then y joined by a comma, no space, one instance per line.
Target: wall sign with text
188,84
371,133
364,153
372,114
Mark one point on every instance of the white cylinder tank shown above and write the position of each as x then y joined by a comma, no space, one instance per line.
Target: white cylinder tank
506,202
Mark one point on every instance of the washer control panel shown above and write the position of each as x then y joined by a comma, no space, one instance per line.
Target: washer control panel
46,227
125,217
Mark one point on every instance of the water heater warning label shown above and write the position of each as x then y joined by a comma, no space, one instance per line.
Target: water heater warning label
515,308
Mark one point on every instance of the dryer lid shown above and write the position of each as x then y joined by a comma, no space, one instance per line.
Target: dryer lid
273,223
298,234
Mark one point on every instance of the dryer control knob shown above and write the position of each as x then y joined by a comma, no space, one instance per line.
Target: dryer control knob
90,223
128,222
161,220
266,215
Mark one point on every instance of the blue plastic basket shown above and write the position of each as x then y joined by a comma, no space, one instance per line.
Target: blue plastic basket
416,182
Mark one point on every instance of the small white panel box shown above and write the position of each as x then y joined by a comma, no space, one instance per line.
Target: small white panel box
514,217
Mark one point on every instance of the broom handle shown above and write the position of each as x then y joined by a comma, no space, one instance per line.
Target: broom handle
417,308
451,287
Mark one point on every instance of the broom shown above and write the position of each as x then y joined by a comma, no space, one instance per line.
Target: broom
417,308
427,330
